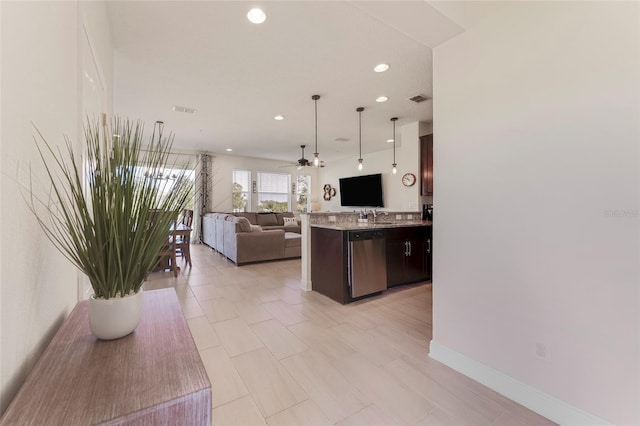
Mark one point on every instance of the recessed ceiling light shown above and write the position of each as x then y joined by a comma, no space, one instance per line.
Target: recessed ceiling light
389,140
228,149
279,117
382,99
381,67
256,16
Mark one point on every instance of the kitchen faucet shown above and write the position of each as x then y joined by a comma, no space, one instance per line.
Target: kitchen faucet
375,213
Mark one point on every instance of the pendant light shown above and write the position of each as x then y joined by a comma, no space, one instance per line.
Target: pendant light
394,165
159,127
360,109
316,160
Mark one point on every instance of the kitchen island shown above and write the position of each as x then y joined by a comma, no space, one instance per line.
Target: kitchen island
346,258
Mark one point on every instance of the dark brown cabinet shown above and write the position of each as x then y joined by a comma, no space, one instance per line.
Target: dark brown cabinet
329,274
428,251
407,255
426,164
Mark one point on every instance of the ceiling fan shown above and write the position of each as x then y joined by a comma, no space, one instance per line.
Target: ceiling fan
303,162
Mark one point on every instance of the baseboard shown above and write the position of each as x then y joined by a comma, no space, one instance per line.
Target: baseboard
544,404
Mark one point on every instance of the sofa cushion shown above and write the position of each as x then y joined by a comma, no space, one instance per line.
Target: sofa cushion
256,228
249,215
242,224
291,239
292,245
267,219
290,221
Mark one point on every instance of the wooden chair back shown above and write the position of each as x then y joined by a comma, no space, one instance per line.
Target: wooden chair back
187,217
167,254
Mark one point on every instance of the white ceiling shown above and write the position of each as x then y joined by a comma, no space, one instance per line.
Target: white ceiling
206,55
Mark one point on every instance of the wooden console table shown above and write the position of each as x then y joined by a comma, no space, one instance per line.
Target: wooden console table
153,376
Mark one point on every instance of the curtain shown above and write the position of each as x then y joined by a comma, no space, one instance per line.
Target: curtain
202,201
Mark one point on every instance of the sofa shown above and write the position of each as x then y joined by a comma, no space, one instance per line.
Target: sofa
243,242
270,221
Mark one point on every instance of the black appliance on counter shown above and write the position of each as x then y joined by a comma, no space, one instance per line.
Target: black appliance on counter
427,212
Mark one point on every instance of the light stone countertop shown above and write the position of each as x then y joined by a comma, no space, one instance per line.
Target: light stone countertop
371,225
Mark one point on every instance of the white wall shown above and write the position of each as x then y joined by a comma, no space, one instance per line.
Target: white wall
97,58
40,83
221,177
395,195
537,187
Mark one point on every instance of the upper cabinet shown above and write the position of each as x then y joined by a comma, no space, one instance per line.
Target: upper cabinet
426,164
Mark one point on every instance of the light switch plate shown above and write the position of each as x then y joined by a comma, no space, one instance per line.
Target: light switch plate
409,216
398,217
332,218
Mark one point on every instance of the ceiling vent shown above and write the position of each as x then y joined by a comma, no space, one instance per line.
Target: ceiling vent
186,110
418,98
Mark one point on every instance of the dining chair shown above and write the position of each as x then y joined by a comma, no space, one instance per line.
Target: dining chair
183,241
167,254
169,249
187,217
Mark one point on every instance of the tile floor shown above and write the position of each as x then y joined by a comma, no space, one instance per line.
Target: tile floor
278,355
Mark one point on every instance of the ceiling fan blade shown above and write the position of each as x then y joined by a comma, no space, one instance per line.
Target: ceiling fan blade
289,165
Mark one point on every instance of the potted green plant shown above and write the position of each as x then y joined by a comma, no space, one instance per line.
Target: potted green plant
110,212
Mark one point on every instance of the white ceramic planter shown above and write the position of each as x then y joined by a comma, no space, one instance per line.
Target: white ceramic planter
114,318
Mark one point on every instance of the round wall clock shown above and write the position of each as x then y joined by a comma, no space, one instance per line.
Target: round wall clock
408,179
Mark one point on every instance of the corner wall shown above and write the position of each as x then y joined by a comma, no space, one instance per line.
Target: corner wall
537,230
40,83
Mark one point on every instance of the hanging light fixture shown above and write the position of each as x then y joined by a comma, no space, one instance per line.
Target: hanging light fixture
158,127
316,160
394,165
360,109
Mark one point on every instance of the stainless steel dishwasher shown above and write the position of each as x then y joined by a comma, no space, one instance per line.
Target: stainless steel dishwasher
367,262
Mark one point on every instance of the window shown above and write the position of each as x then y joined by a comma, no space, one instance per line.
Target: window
273,192
240,199
303,190
165,180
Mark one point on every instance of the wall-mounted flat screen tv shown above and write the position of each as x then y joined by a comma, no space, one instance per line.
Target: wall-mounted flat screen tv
361,191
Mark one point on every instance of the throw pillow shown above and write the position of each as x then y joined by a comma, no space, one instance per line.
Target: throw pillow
256,228
290,221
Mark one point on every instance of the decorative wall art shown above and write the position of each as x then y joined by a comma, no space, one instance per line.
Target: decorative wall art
328,192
